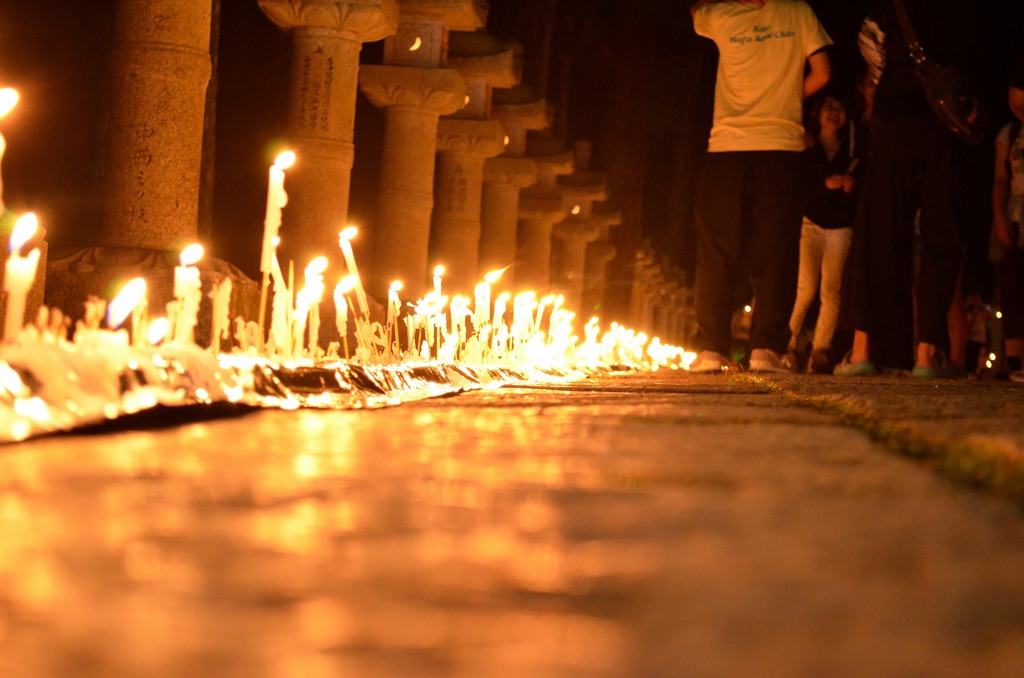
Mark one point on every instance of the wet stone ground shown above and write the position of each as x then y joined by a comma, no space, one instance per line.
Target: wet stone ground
641,525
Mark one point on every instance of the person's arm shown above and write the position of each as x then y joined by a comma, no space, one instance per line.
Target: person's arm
1000,196
1016,98
819,74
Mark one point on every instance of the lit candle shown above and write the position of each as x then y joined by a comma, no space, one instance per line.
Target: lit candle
276,200
438,273
345,241
220,326
130,301
8,100
187,291
341,309
19,274
499,309
394,304
315,291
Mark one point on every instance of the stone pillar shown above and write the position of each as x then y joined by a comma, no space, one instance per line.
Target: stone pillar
161,68
573,237
414,100
466,142
464,145
504,178
160,73
414,91
595,276
327,37
540,207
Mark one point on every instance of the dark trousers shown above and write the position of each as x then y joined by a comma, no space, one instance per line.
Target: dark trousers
748,208
912,166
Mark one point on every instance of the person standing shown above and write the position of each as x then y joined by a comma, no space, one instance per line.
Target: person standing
827,226
913,172
1008,215
749,192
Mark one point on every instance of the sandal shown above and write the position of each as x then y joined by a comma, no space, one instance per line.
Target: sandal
846,368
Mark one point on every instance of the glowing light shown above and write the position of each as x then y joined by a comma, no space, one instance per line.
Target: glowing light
285,159
8,100
24,229
747,308
439,270
396,286
495,276
347,284
465,102
157,331
416,44
507,140
999,315
991,356
576,209
348,233
317,265
191,254
125,302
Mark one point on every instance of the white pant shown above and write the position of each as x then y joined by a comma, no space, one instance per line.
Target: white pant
822,253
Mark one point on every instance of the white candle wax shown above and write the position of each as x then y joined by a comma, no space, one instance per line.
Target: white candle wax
19,274
276,200
345,241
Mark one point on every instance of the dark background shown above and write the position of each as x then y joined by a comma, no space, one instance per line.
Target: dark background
628,74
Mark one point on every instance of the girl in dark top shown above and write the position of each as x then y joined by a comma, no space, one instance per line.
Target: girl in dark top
831,161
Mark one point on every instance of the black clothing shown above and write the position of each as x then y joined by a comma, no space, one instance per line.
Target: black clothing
826,207
952,33
760,229
1017,69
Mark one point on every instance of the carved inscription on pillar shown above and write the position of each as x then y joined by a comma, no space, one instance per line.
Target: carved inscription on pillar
315,88
454,187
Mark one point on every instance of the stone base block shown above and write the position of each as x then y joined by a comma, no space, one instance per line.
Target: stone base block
74,274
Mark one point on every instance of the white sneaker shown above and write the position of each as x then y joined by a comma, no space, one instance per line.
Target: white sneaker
708,362
767,360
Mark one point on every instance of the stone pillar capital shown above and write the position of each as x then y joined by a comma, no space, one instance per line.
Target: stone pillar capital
580,231
440,91
364,20
520,172
480,138
458,15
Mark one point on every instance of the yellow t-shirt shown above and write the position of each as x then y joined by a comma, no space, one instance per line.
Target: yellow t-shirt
759,86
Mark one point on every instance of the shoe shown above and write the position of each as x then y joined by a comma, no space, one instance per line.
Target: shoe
944,370
818,363
708,362
767,360
846,368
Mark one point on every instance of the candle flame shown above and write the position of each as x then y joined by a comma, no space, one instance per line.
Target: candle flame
285,159
8,100
126,300
191,254
396,286
416,44
347,284
277,240
507,140
576,209
505,296
495,275
439,270
318,265
158,330
24,229
348,233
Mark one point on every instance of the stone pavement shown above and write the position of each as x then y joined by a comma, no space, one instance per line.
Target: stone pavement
640,525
